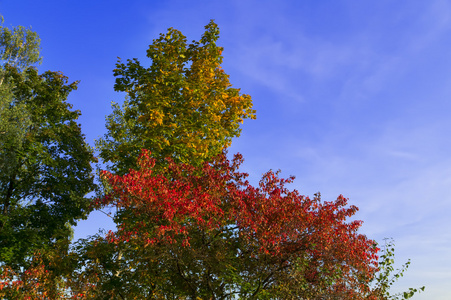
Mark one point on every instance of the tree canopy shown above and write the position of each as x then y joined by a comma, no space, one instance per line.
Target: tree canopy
44,158
19,46
211,235
182,106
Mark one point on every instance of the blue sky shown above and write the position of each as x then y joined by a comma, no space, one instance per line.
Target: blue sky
352,97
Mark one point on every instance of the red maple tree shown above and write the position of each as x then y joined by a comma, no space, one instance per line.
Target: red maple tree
208,233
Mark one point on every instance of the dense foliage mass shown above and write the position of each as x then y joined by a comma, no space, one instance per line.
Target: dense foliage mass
182,106
189,224
44,159
209,234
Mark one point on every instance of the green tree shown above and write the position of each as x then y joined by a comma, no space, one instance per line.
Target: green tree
182,106
44,159
19,47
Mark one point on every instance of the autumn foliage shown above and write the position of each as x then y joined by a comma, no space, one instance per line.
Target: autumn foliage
189,224
181,106
41,280
209,233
